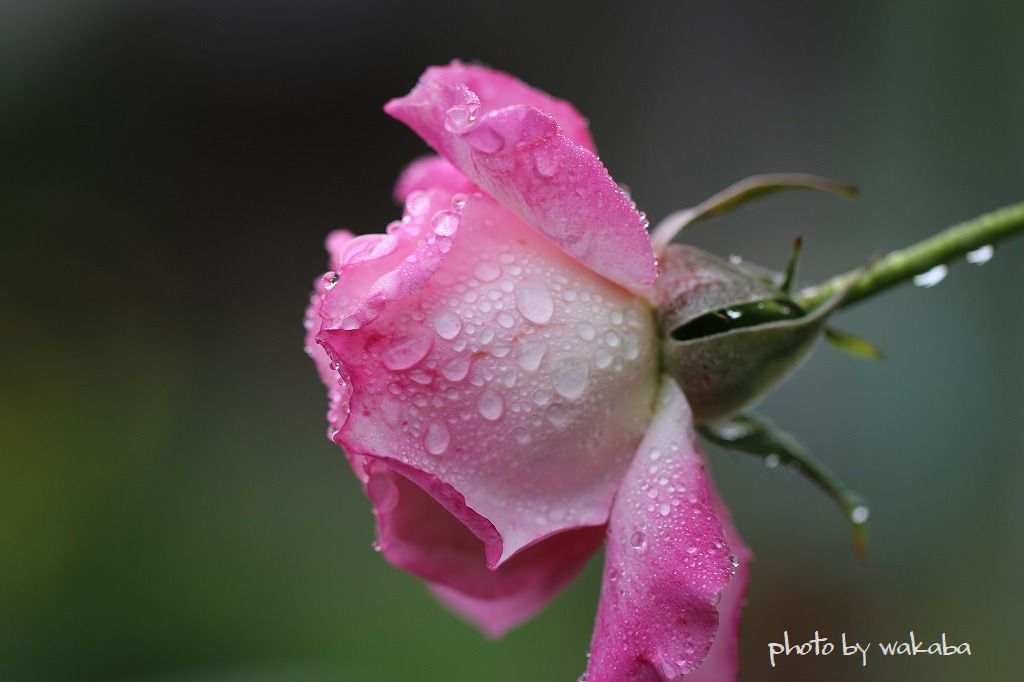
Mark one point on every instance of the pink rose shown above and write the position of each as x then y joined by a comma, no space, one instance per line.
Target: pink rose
492,362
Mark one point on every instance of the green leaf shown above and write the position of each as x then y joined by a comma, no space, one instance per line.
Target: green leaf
757,435
740,193
853,344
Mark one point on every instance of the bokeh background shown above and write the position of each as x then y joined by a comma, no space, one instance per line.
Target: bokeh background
170,508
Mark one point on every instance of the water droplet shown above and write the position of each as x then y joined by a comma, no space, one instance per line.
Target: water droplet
350,323
541,397
330,279
530,354
487,271
558,415
421,377
407,351
456,369
491,406
860,514
981,255
437,438
509,380
655,454
612,339
691,549
534,302
771,461
665,509
447,324
616,317
546,163
602,358
637,540
522,436
570,379
734,561
505,320
445,223
932,277
586,331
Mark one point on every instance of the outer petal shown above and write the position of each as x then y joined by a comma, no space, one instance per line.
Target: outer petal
722,663
498,89
431,172
518,153
417,534
494,372
667,560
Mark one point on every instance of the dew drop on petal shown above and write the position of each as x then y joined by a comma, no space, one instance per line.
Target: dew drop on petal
665,509
487,271
860,514
558,415
534,302
437,438
406,351
570,379
586,331
546,163
456,369
491,406
530,354
637,540
447,324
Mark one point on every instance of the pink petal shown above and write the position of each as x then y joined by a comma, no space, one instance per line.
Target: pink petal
430,172
667,559
517,151
498,89
722,664
499,375
417,534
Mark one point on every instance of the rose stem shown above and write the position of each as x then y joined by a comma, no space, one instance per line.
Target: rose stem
899,266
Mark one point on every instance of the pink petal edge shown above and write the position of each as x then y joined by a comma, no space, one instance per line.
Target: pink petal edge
520,155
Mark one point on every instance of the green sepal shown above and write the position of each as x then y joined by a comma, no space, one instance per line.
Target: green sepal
853,344
756,435
740,193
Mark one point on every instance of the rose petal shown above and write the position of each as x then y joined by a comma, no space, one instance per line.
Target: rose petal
417,534
667,559
722,663
511,383
376,269
431,172
498,89
518,153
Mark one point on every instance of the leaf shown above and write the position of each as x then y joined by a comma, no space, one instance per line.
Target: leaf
743,191
757,435
853,344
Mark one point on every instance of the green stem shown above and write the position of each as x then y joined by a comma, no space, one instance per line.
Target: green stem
899,266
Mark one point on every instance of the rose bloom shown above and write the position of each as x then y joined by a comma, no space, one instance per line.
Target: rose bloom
492,363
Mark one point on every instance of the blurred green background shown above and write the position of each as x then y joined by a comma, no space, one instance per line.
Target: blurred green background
169,506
